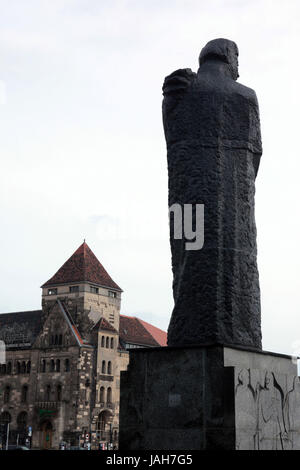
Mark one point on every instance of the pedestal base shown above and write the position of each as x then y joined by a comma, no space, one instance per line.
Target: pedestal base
209,397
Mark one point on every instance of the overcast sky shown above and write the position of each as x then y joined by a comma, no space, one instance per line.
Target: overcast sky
83,151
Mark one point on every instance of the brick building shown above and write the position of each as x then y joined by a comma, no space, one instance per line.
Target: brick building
61,377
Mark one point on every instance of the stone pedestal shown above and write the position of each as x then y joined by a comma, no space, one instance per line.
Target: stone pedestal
209,397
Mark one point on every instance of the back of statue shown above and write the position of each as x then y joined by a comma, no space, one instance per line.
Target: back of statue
212,131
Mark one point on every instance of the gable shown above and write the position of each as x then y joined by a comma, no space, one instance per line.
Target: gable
57,329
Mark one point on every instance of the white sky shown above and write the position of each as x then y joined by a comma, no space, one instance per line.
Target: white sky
83,152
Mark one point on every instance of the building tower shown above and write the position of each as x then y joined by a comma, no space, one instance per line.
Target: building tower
91,302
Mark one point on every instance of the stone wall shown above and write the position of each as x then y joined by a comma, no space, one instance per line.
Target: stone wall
209,397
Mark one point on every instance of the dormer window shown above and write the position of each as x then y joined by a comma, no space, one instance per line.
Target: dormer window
52,291
74,289
94,290
112,294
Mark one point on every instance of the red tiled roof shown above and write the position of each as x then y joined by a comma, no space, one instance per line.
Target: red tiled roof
82,266
134,330
103,324
159,335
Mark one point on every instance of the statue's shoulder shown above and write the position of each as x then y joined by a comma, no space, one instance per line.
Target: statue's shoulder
247,92
178,81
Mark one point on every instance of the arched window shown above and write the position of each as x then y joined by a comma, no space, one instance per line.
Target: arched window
9,367
100,425
60,340
22,421
52,365
48,393
24,393
18,367
102,341
107,342
28,367
109,367
43,365
103,420
101,395
58,392
112,343
6,396
56,339
23,368
51,340
67,365
109,396
103,367
57,365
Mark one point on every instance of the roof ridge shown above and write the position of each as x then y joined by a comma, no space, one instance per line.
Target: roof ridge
84,260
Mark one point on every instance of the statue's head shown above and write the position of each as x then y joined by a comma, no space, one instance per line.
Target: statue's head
222,50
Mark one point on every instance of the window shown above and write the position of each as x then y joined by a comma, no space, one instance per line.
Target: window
107,342
28,367
111,317
112,294
52,291
3,369
67,365
102,341
43,365
24,394
18,367
56,339
112,343
52,365
6,394
74,289
57,365
109,367
59,340
103,367
58,392
23,368
94,289
102,395
48,393
9,367
109,395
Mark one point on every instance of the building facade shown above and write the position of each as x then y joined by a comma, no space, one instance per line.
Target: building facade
60,382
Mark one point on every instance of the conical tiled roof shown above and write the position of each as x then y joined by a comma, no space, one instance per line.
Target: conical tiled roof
82,266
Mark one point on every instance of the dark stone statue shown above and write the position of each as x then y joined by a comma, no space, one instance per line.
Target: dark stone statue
212,130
